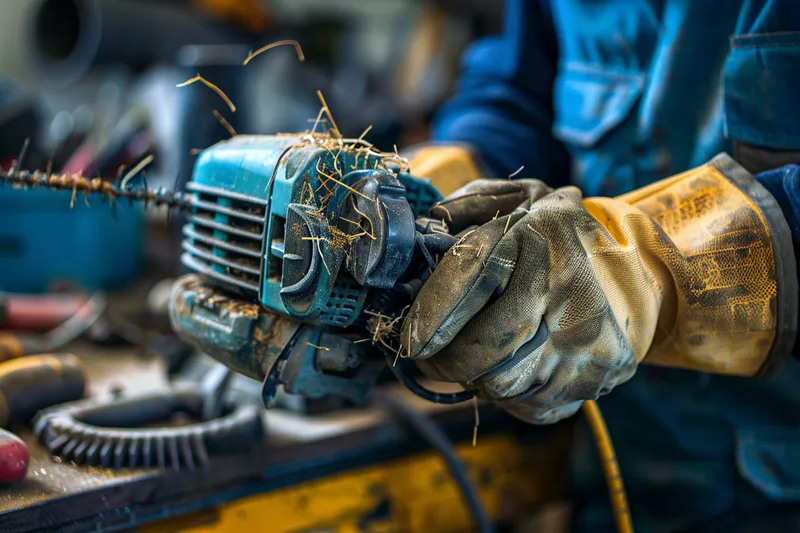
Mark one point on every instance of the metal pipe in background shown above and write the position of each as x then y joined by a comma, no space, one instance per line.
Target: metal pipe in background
55,42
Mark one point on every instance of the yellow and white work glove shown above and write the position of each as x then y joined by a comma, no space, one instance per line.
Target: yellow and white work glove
696,271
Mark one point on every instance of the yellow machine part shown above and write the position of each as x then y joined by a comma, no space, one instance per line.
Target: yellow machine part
410,495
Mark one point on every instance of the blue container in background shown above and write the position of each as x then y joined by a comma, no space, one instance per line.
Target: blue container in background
43,240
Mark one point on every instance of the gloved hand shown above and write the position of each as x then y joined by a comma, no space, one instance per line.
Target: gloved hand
556,301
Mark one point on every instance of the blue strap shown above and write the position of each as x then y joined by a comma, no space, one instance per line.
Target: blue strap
784,185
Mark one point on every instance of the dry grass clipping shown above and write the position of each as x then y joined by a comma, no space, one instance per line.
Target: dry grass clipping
318,347
364,134
346,186
477,422
516,172
211,86
135,170
270,46
224,122
385,329
327,111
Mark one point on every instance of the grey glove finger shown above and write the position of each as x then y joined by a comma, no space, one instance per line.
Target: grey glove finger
508,326
481,200
453,313
463,282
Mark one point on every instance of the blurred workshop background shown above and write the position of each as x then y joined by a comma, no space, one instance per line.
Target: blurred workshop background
92,85
89,87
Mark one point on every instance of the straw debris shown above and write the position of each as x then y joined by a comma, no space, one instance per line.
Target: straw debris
211,86
290,42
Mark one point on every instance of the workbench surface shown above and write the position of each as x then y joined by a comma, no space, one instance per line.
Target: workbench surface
64,497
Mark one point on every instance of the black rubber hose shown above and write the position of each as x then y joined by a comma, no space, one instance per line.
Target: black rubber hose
401,369
439,441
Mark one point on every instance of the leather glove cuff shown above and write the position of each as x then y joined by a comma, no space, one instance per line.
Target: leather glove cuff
735,281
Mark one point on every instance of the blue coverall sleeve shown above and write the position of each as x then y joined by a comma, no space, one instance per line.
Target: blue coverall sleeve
504,101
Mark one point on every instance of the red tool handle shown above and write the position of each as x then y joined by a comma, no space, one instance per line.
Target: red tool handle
39,313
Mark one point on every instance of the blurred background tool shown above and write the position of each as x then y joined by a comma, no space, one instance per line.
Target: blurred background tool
75,62
26,386
14,457
36,382
39,313
62,40
43,242
21,343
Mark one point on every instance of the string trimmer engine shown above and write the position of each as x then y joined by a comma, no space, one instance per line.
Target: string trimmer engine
303,248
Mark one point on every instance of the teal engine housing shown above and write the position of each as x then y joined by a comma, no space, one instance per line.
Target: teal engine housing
304,224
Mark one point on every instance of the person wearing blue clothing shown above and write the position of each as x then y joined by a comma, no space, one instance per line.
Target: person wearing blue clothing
643,252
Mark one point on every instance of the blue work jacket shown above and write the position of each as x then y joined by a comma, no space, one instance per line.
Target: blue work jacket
610,96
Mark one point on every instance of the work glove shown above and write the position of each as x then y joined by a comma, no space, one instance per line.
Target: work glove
554,301
449,166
